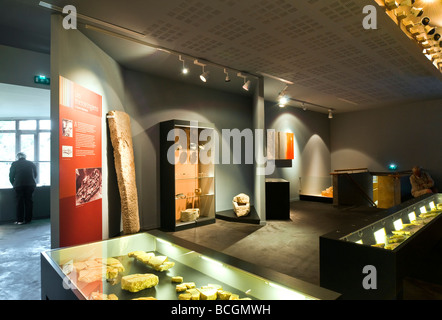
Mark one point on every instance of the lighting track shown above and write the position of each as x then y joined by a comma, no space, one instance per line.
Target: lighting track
127,34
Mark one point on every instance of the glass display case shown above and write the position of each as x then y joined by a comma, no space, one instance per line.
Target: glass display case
187,174
156,265
393,244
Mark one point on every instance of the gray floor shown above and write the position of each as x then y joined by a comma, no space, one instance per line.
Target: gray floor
290,247
20,247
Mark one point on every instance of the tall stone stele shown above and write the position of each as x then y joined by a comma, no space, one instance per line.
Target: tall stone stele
121,138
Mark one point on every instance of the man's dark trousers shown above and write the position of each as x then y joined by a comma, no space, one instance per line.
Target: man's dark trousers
24,203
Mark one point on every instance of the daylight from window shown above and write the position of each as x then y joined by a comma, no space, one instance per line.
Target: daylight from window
33,137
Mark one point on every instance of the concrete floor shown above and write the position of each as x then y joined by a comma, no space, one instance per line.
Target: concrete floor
20,247
290,247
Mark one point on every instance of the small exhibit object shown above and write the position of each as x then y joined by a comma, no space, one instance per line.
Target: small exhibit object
241,204
190,214
137,282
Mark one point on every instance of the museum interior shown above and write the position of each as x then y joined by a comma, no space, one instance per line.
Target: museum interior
222,150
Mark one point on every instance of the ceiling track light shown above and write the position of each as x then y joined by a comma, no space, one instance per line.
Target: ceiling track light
247,83
407,3
205,75
227,75
184,70
391,4
330,113
430,30
282,98
417,12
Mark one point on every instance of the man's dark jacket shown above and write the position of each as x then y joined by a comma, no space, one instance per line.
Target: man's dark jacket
23,173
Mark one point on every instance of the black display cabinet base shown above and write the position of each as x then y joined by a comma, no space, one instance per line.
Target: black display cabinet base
342,262
230,215
277,199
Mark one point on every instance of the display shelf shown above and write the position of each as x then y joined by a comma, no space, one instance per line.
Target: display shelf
194,263
393,244
187,183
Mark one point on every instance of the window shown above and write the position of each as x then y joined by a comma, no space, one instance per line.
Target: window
33,137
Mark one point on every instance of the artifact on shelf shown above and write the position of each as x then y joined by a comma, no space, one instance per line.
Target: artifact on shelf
241,204
145,298
159,263
190,215
137,282
121,138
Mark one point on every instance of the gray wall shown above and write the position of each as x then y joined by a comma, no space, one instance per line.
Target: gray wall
150,100
407,135
312,148
7,204
19,66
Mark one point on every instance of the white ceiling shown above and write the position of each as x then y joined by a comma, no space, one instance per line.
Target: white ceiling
24,102
320,46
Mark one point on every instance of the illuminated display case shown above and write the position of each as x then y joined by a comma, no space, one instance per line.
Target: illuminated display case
98,270
187,174
394,245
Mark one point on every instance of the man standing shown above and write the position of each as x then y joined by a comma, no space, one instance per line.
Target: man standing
421,183
22,175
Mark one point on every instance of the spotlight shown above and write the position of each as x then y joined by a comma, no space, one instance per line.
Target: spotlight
227,76
430,30
421,38
391,4
408,3
417,12
401,15
425,21
246,85
407,23
304,107
204,76
330,114
436,37
184,70
283,100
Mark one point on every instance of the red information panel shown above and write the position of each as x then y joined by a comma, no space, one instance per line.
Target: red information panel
80,164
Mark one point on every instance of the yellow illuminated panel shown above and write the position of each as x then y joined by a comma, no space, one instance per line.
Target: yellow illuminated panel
398,225
380,236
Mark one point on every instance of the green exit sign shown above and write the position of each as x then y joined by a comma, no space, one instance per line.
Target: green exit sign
42,80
